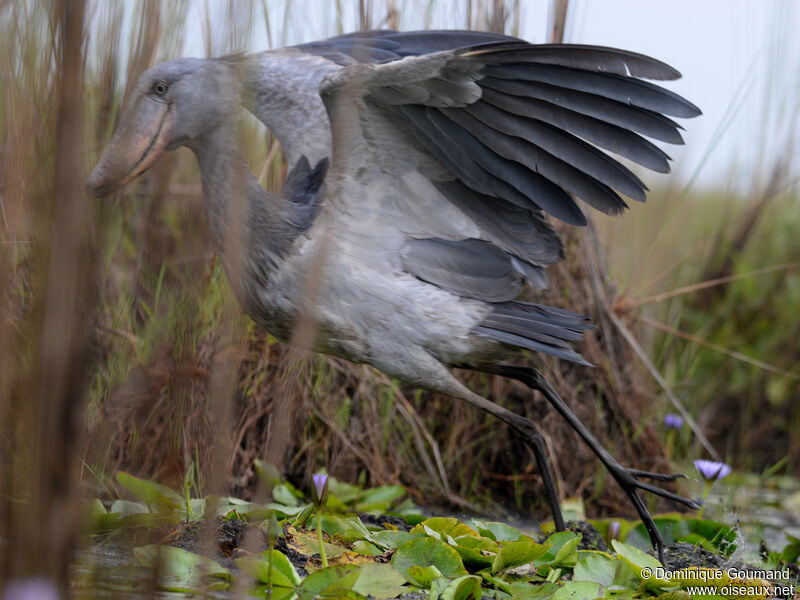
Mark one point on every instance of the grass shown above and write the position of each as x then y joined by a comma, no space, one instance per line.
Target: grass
159,368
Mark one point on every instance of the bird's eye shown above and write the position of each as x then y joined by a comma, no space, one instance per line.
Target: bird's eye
160,88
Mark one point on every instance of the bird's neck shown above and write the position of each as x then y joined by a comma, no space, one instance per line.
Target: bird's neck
237,208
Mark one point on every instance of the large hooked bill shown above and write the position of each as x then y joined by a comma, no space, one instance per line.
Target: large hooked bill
143,135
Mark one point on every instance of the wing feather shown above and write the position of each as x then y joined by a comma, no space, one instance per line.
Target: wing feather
516,130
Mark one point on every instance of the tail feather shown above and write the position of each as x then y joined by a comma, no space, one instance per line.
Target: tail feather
536,327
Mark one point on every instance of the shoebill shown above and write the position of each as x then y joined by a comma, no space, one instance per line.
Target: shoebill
423,168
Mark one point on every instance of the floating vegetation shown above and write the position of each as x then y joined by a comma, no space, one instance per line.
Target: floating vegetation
364,543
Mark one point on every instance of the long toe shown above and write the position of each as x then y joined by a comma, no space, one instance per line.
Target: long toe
656,476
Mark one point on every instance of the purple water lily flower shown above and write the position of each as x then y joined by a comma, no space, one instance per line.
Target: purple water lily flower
613,530
712,470
320,490
673,421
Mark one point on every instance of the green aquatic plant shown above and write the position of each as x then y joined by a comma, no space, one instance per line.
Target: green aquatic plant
382,556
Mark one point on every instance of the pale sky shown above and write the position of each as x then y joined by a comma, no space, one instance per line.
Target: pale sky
740,61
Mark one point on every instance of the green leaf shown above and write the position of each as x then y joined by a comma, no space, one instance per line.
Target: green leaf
521,590
379,580
515,554
123,508
596,568
262,590
473,551
445,526
643,565
423,576
466,587
333,582
674,527
151,493
98,518
379,498
268,475
367,548
424,552
282,494
499,532
283,573
562,551
579,590
392,540
178,569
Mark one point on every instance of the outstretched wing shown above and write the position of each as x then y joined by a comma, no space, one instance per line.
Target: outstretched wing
472,145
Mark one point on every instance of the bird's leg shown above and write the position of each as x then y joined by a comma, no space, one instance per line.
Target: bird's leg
626,478
530,435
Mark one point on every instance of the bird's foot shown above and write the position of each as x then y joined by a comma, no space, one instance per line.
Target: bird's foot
630,480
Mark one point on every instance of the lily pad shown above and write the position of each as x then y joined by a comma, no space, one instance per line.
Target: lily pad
380,580
596,568
517,553
425,552
562,550
579,590
258,567
643,565
476,552
423,576
466,587
499,532
331,582
445,526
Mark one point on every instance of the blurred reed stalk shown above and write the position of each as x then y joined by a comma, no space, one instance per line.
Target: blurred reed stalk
48,347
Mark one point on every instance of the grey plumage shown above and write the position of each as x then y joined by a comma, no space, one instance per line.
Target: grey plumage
437,156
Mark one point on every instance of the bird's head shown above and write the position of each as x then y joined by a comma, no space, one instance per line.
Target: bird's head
175,104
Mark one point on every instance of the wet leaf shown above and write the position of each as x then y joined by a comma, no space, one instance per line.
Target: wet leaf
258,566
517,553
424,552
